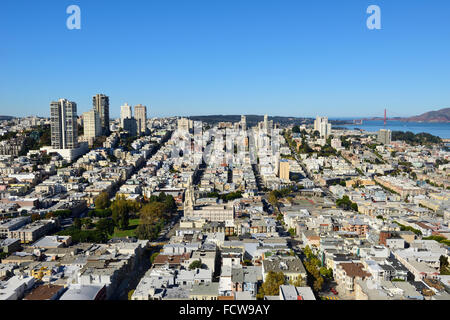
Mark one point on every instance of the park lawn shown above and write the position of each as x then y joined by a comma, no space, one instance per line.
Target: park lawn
129,232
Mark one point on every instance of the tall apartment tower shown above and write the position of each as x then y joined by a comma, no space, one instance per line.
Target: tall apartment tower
243,123
140,114
321,124
384,136
64,126
92,126
100,103
125,113
266,122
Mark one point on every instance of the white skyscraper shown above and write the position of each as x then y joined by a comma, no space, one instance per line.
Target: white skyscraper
125,113
321,124
64,126
266,122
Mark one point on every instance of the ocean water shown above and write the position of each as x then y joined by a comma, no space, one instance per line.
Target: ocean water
441,130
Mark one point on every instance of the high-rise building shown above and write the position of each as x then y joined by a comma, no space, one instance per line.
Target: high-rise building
284,170
140,114
384,136
130,125
64,126
321,124
125,113
100,103
92,126
266,122
243,122
184,124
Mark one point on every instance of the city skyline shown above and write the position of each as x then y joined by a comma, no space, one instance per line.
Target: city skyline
296,59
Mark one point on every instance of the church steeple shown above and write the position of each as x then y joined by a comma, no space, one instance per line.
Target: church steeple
189,198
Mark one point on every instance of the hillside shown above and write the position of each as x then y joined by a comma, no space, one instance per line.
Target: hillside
442,115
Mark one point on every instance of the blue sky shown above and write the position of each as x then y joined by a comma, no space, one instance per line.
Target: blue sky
179,57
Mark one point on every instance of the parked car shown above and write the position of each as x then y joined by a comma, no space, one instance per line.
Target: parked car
334,291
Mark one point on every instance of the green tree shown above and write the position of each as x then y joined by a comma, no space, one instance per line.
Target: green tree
271,287
153,257
102,201
105,226
197,264
170,204
318,283
77,223
120,212
273,199
299,282
152,212
296,129
292,232
327,273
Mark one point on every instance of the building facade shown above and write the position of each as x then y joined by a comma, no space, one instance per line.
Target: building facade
64,127
100,104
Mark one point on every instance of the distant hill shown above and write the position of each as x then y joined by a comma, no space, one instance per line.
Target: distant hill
253,120
442,115
6,118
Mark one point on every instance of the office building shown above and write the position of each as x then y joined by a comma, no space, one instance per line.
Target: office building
100,103
64,127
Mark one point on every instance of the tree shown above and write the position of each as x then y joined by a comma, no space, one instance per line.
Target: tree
35,216
105,226
444,269
130,294
153,257
170,204
152,212
273,199
120,212
271,287
292,232
327,273
318,283
102,201
297,282
197,264
296,129
162,197
77,223
308,253
86,223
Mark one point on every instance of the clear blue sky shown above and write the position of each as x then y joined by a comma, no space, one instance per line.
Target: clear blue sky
179,57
